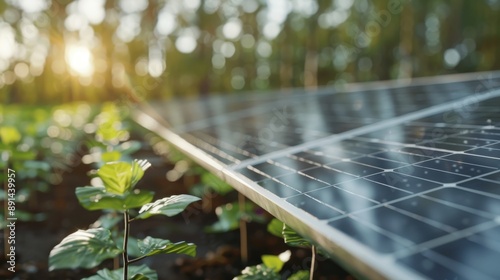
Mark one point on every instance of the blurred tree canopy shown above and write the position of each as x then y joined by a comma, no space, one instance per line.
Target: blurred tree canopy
62,50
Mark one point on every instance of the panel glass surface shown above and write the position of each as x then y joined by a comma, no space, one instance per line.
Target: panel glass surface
423,192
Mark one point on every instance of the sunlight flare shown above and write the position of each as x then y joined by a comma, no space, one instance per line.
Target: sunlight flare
79,59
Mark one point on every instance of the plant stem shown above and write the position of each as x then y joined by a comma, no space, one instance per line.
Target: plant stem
116,260
126,233
313,262
137,259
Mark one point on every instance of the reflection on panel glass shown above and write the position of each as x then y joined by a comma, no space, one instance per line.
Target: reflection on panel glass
406,227
313,207
368,236
478,202
425,191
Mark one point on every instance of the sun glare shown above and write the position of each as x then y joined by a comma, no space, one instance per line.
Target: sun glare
79,59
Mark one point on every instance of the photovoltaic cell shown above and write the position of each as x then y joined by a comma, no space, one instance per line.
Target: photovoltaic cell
402,181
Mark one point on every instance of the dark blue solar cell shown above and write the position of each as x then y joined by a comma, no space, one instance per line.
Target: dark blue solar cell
464,141
403,182
378,162
313,207
444,146
428,265
271,169
278,188
345,201
300,182
367,235
372,190
406,227
483,186
327,176
440,213
355,169
431,174
472,159
493,177
456,167
401,157
486,151
294,164
468,199
252,175
479,257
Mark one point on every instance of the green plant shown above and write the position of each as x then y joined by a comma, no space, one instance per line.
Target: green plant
39,143
111,137
270,268
88,248
292,238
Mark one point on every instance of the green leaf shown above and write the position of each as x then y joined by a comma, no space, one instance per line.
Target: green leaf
138,168
292,238
168,206
300,275
138,273
273,262
139,277
132,247
258,272
213,182
84,248
9,135
23,155
275,227
116,176
150,246
110,156
120,177
108,221
229,216
97,198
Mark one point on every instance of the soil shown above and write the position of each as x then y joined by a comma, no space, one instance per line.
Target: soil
218,254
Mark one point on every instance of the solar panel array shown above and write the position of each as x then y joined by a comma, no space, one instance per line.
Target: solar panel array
400,181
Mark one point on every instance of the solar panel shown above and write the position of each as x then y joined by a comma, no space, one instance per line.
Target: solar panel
395,180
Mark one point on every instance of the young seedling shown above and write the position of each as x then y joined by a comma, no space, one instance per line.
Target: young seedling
270,268
88,248
292,238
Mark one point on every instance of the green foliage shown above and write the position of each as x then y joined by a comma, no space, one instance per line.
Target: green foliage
213,182
137,273
108,220
9,135
97,198
150,246
269,269
230,214
275,227
89,248
29,134
84,248
117,176
168,206
273,262
292,238
258,272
